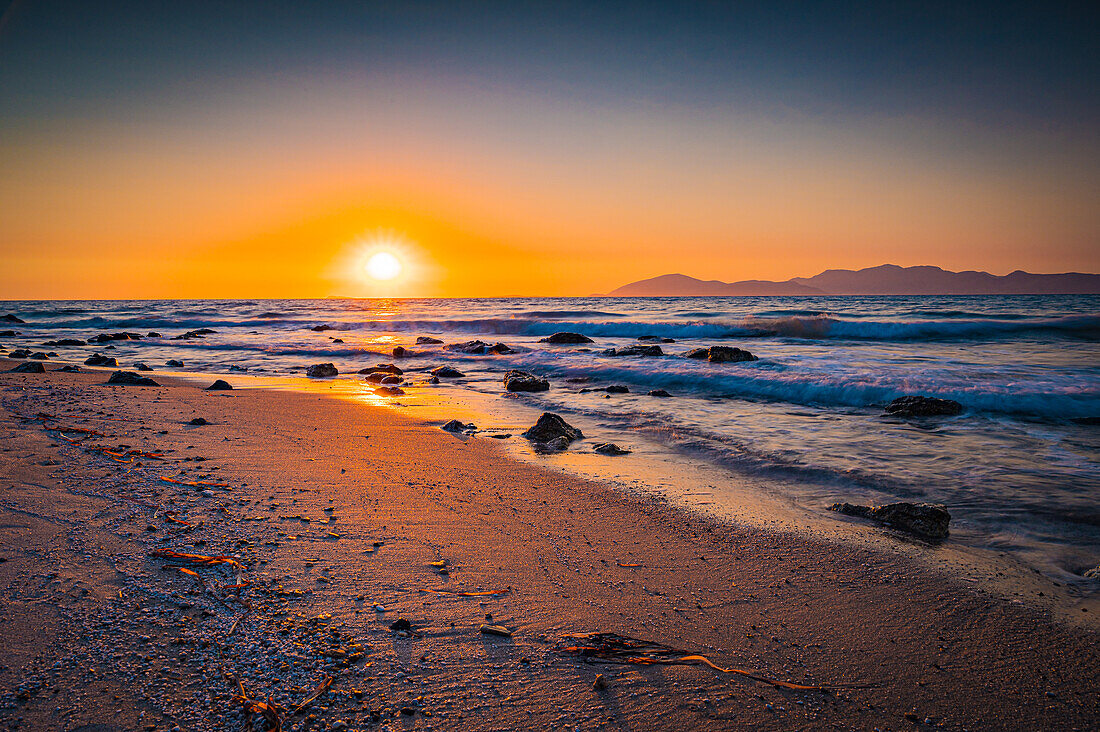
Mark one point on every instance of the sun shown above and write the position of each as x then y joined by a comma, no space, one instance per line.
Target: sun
383,266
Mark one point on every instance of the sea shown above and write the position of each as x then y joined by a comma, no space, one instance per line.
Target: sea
1019,469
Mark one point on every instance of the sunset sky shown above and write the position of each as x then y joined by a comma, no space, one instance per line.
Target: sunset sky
233,149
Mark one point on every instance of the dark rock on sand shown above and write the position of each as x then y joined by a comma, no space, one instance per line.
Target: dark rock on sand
12,318
388,391
174,363
721,354
97,360
447,372
30,367
516,380
926,520
142,366
321,371
610,448
551,426
658,393
70,369
220,385
455,426
617,389
129,378
427,341
921,406
198,422
635,351
566,337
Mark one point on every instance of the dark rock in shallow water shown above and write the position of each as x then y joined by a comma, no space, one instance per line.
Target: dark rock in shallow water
721,354
174,363
39,356
455,426
388,368
566,337
12,318
337,340
921,406
198,422
321,328
551,426
610,448
500,349
479,348
8,333
617,389
392,380
388,391
129,378
152,334
658,393
1087,420
67,342
236,368
447,372
400,352
926,520
142,367
220,385
516,380
656,339
192,334
30,367
19,353
97,360
321,371
635,351
427,341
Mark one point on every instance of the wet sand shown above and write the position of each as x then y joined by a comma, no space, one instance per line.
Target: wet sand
98,634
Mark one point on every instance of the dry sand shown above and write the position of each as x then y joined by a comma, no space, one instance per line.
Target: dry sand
95,634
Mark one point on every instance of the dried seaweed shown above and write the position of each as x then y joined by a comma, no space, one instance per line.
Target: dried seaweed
268,710
457,593
194,483
321,689
615,648
201,560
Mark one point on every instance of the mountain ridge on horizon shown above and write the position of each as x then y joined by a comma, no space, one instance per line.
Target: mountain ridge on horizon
885,279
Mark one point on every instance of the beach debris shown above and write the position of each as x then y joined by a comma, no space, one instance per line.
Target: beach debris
721,354
628,564
194,560
427,341
198,422
220,385
610,448
268,710
28,368
500,630
12,318
142,366
550,427
566,337
97,360
922,406
174,363
129,378
658,393
446,372
516,380
321,371
634,351
455,426
926,520
615,648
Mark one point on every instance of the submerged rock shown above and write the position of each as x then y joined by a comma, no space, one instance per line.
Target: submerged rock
926,520
635,351
516,380
220,385
566,337
321,328
550,427
321,371
30,367
922,406
658,393
427,341
610,448
392,380
446,372
129,378
174,363
9,333
455,426
721,354
67,342
12,318
97,360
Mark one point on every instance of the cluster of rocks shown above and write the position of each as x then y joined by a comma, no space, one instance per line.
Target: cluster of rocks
721,354
478,348
108,337
99,360
191,334
634,351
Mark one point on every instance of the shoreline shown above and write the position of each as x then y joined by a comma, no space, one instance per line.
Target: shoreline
794,608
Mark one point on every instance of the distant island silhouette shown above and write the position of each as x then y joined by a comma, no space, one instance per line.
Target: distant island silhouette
886,279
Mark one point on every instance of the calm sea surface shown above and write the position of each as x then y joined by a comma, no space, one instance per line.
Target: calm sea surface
1019,469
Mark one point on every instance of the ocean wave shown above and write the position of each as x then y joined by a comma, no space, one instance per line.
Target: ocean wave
825,327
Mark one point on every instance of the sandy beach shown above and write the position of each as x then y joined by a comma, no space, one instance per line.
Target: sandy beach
340,519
